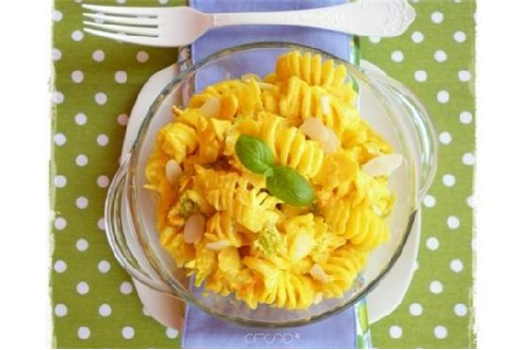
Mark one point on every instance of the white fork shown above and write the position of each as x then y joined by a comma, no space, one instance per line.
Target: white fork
179,26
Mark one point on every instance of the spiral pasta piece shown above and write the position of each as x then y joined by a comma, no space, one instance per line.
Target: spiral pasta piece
342,269
230,192
289,145
221,227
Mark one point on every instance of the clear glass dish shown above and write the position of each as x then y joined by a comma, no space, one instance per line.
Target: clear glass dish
389,107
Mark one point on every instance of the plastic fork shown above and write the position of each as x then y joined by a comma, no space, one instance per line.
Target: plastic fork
179,26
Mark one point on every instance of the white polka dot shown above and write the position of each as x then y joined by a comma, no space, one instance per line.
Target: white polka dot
456,265
82,202
432,243
123,119
460,310
82,245
101,98
453,222
443,96
121,77
440,56
142,56
470,201
445,138
126,288
436,287
56,54
163,2
102,181
83,333
396,332
60,139
374,39
460,36
104,266
82,288
464,75
465,117
437,17
77,35
81,160
60,310
104,310
102,140
60,181
416,266
98,55
429,201
418,37
469,159
56,16
77,76
57,97
449,180
101,224
171,333
440,332
80,119
416,309
60,266
121,1
397,56
60,223
420,75
128,332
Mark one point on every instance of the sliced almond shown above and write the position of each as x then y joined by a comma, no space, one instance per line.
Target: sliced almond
316,130
331,142
318,298
318,273
248,76
302,245
211,107
265,86
194,228
325,104
219,245
173,171
383,165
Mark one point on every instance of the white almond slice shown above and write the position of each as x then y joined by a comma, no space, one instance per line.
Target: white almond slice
318,298
318,273
331,142
194,228
315,129
248,76
211,107
325,105
219,245
173,171
383,165
265,86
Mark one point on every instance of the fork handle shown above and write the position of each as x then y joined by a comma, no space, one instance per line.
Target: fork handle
363,17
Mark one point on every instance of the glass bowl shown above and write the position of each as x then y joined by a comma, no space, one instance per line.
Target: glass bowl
130,217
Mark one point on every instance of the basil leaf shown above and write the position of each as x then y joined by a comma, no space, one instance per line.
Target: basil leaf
290,186
254,154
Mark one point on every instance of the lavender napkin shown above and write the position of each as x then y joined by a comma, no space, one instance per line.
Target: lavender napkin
202,331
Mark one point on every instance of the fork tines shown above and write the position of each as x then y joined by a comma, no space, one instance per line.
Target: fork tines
137,25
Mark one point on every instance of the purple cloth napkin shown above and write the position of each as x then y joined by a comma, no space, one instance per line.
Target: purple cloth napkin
202,331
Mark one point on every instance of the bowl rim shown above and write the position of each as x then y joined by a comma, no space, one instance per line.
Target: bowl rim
133,202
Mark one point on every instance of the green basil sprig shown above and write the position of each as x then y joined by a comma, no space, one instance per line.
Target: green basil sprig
282,182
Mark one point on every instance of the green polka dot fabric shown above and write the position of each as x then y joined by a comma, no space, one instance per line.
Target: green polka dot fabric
95,85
